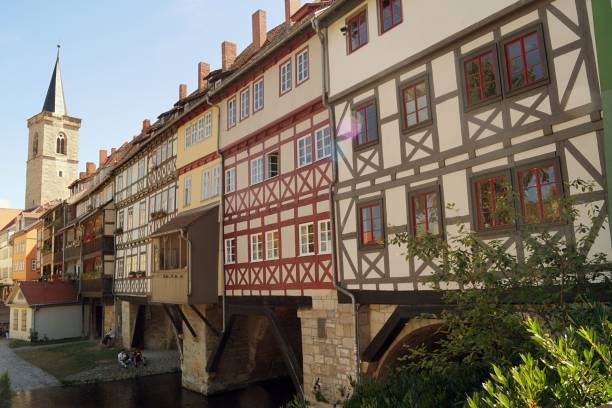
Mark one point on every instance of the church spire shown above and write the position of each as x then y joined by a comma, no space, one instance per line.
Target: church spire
55,102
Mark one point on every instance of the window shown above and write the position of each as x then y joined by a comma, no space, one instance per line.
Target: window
304,150
540,191
24,319
141,169
325,237
245,97
367,125
215,181
230,250
258,95
120,268
390,12
307,244
61,144
172,199
490,193
187,192
301,67
425,209
323,142
357,27
371,224
15,320
33,264
285,77
272,244
231,113
416,104
205,184
60,173
130,218
272,165
230,180
256,248
196,132
257,170
480,75
35,145
525,60
142,213
120,220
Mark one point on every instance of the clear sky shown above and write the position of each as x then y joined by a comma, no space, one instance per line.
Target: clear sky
121,62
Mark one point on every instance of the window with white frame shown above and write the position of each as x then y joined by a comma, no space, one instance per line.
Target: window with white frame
257,251
120,220
307,244
230,180
205,184
272,244
231,112
272,165
304,150
214,190
325,237
258,95
187,192
285,77
199,130
257,170
301,62
323,141
245,100
230,251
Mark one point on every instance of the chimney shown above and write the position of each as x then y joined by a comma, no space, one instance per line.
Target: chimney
182,91
90,168
103,156
259,28
113,150
82,175
203,71
228,54
146,124
291,6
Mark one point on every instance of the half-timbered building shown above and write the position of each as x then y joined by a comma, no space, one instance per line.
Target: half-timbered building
447,107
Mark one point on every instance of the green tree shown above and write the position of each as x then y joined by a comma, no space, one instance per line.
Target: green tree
6,393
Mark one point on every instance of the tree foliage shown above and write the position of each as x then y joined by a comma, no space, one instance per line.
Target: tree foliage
6,393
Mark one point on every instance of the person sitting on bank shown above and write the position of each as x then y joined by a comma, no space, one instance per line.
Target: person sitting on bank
109,337
123,358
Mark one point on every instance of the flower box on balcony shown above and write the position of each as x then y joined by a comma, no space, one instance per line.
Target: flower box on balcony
136,274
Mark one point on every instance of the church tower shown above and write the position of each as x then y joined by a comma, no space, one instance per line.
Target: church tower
53,147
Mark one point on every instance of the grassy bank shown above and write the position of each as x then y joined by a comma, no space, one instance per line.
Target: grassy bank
15,343
68,359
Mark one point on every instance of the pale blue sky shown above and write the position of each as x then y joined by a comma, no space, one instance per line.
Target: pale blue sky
122,61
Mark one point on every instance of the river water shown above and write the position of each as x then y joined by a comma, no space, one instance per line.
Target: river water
159,391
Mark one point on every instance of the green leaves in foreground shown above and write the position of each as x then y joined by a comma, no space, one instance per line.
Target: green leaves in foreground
6,394
575,370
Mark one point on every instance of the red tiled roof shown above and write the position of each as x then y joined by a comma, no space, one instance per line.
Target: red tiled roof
44,293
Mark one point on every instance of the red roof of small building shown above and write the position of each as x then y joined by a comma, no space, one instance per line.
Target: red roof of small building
45,293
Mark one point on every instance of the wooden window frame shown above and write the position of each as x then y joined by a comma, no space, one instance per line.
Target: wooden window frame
257,81
356,15
554,161
278,249
480,52
232,125
314,239
267,175
261,242
297,151
430,188
331,238
381,24
232,247
354,109
232,171
505,72
476,208
280,77
373,245
316,145
412,83
304,50
263,170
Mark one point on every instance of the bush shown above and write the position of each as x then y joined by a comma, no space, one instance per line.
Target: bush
6,393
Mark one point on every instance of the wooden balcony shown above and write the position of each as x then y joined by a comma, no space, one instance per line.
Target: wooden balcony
140,287
99,245
97,286
72,252
171,286
47,258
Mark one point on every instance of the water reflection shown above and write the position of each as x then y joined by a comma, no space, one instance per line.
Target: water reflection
158,391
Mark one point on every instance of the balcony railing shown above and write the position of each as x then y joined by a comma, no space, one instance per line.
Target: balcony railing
72,252
133,286
96,287
170,286
47,258
104,245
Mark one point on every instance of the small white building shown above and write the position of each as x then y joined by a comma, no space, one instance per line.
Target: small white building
45,310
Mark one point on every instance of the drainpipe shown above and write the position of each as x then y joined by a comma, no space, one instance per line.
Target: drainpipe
221,210
332,129
602,22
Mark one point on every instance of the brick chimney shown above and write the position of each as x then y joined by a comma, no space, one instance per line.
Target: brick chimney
260,33
228,54
103,156
203,71
82,175
90,168
291,6
182,91
113,150
146,123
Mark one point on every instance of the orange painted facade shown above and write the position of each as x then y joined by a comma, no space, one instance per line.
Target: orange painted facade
25,255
